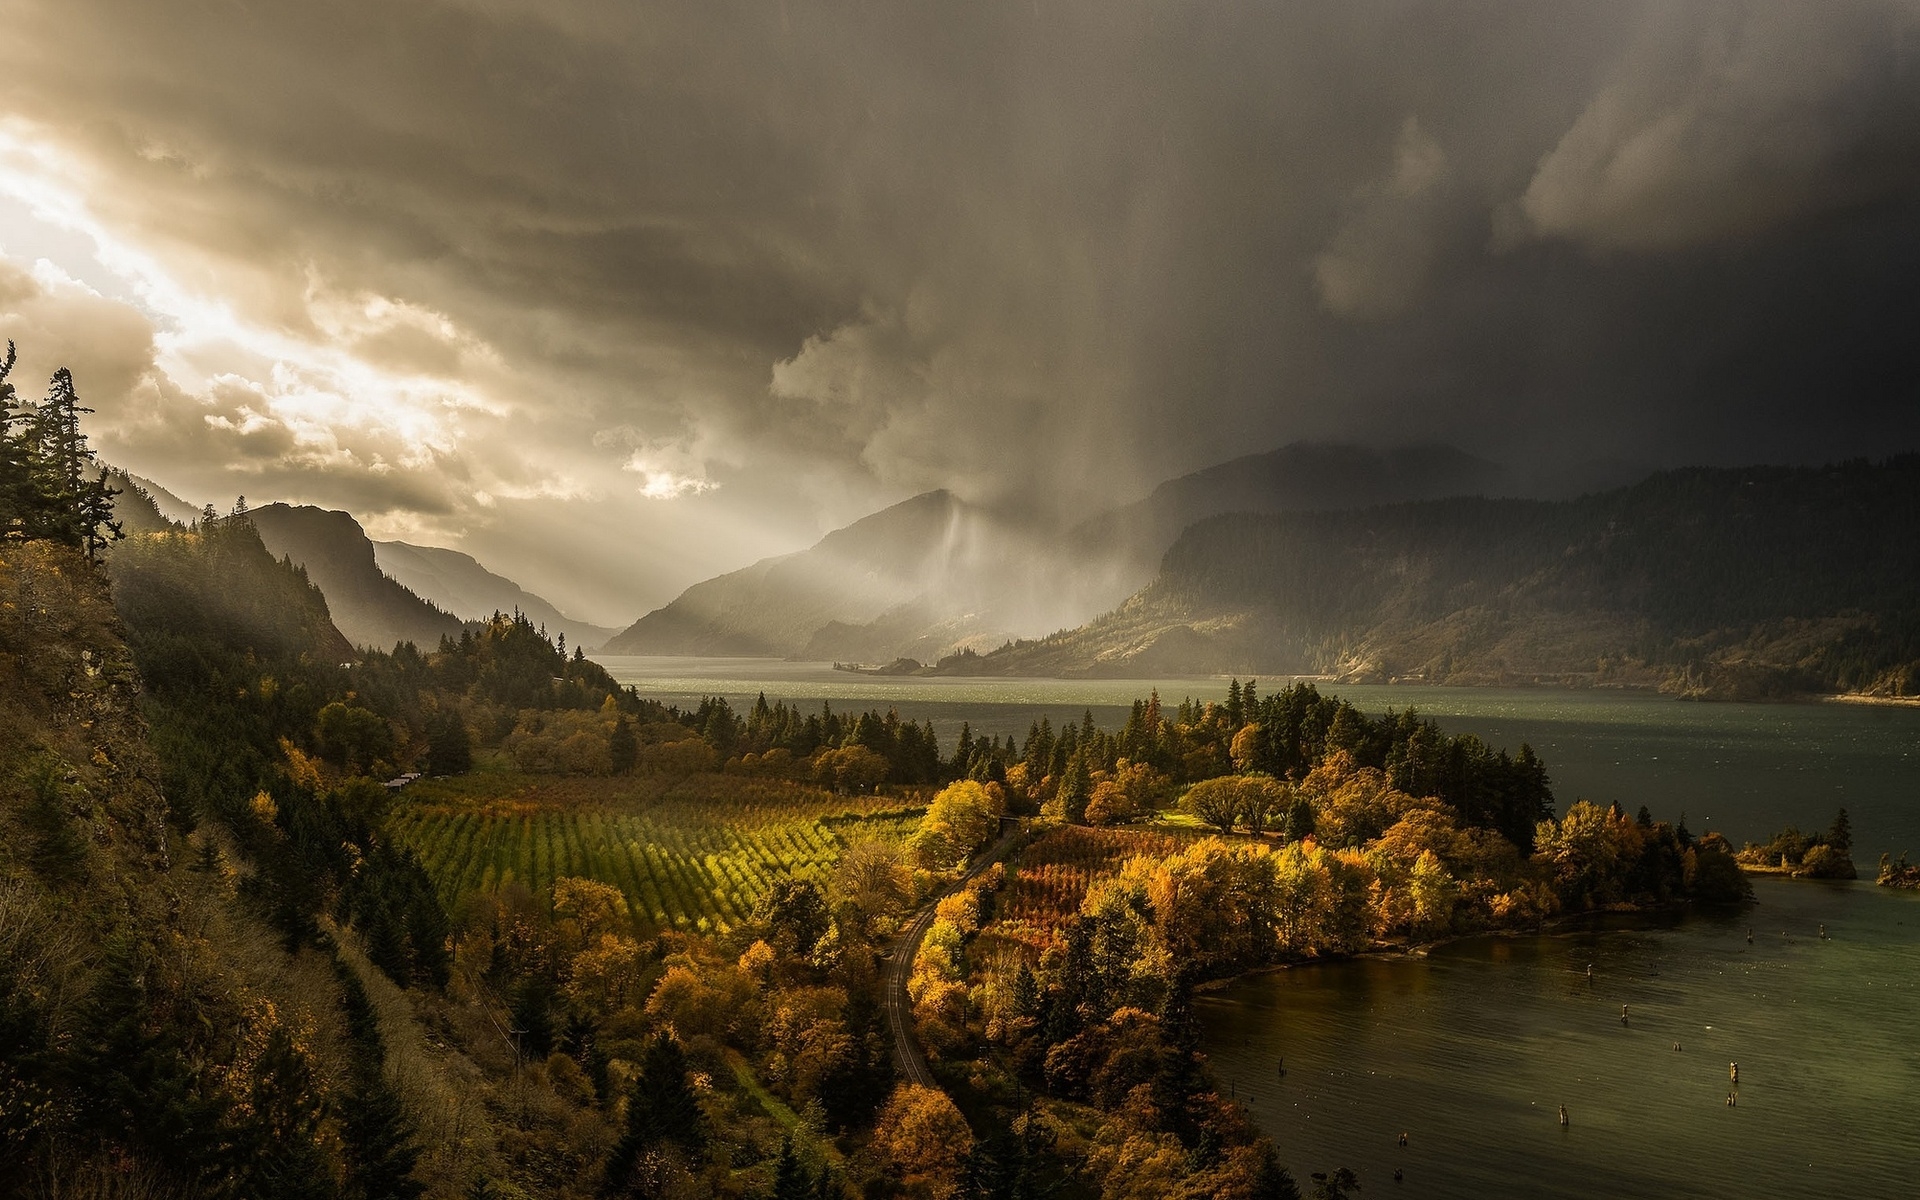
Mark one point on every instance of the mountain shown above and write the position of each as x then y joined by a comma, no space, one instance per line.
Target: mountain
168,505
861,591
460,585
136,509
369,607
1301,477
934,575
1749,582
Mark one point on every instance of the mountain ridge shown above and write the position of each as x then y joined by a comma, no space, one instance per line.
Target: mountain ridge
370,607
934,574
461,585
1728,582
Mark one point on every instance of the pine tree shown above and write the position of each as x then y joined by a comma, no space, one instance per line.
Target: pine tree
1075,790
379,1144
662,1111
449,746
1840,837
69,499
791,1179
623,749
279,1153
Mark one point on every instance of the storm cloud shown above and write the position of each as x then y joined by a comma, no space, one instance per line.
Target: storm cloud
616,296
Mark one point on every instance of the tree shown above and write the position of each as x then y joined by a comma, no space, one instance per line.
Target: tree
56,851
791,1179
796,915
51,486
449,746
1262,796
623,749
662,1112
924,1137
1215,801
1840,837
352,736
1076,790
379,1144
1300,820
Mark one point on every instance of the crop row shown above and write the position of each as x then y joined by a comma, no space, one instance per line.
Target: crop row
703,877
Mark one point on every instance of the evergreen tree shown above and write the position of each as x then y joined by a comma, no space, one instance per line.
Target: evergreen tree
662,1111
791,1179
449,746
378,1136
50,485
1840,837
1075,790
623,749
56,851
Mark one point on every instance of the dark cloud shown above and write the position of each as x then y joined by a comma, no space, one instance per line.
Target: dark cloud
526,275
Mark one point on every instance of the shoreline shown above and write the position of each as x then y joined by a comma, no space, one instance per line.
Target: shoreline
1872,701
1565,922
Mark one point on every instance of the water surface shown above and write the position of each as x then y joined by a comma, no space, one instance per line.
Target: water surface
1471,1051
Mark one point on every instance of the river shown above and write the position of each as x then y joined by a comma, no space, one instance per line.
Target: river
1472,1049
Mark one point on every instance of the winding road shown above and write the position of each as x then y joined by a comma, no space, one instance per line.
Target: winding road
907,1054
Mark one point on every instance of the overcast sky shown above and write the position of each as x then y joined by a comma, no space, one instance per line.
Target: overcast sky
617,295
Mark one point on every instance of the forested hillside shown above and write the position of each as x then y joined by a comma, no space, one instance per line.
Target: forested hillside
1301,477
1748,582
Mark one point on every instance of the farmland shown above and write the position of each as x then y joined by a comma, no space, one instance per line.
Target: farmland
1052,878
692,853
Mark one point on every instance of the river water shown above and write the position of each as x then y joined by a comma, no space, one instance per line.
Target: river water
1471,1050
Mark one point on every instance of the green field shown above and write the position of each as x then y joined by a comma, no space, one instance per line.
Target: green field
693,853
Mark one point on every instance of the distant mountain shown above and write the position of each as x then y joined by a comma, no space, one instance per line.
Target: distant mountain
371,608
1300,477
135,508
934,574
143,506
460,585
919,579
1750,582
168,505
824,597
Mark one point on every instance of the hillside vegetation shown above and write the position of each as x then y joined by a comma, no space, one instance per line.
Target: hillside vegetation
1751,582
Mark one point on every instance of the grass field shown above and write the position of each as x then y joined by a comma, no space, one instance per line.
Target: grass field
693,853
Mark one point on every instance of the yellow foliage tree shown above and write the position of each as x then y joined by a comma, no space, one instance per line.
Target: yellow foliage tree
925,1139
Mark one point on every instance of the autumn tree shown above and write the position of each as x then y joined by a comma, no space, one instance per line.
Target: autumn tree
924,1138
1215,801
